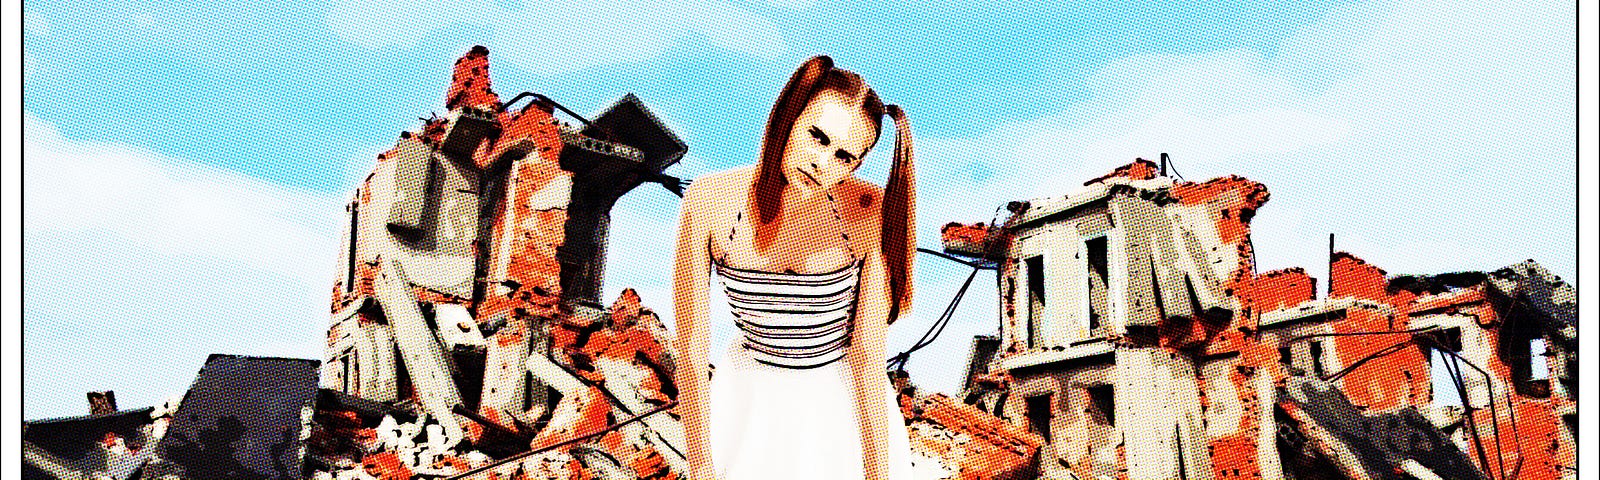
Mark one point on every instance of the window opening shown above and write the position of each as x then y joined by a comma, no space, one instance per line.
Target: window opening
1102,398
1098,279
1316,358
1039,415
1036,299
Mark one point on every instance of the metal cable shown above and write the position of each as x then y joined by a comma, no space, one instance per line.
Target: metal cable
1374,355
585,437
1456,374
1174,166
610,137
974,264
1370,332
1466,404
1493,410
898,362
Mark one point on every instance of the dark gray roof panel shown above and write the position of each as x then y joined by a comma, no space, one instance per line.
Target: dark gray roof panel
241,419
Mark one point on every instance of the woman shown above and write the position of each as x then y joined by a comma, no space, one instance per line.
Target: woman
816,264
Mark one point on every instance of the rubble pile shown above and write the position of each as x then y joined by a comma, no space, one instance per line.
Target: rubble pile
466,338
977,444
1136,339
1139,341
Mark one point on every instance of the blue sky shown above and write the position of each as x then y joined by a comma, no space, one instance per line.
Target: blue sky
187,161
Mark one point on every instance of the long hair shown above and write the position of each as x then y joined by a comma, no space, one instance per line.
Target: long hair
898,238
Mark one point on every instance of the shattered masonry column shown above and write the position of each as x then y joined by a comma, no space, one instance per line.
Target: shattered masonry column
523,281
516,256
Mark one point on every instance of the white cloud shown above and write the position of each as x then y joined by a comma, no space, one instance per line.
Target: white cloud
1355,123
138,265
550,39
1428,139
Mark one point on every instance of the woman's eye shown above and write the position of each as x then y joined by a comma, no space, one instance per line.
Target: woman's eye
821,137
842,155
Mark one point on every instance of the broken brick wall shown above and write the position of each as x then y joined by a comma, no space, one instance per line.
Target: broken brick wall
506,299
1358,337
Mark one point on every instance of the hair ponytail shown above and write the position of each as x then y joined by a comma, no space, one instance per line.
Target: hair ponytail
766,196
898,239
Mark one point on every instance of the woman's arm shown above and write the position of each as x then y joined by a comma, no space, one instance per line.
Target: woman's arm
689,277
866,358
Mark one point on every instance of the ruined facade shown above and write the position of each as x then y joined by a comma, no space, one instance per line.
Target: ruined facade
1137,337
1136,340
466,341
466,338
468,296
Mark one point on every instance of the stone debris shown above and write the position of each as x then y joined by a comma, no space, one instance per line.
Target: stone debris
958,441
1138,339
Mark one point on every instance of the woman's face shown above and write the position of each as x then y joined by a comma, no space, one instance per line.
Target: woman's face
828,142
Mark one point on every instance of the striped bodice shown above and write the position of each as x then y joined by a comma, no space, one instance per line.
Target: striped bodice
792,320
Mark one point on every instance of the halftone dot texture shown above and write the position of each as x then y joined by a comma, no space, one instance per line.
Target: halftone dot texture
187,163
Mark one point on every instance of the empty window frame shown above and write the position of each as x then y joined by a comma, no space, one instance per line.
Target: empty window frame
1316,359
1036,300
1095,251
1538,361
352,247
1441,365
1102,399
350,365
344,373
1039,415
1530,367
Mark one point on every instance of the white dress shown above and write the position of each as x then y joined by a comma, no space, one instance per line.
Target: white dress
783,402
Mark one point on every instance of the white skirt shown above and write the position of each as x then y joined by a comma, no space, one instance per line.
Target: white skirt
771,422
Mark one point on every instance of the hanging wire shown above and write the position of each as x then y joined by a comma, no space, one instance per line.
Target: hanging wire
610,137
1173,166
586,437
898,362
1457,376
1380,353
1494,417
1370,332
672,184
974,264
1466,404
1493,411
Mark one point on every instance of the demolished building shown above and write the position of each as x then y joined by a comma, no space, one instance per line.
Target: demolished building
1136,340
496,341
1137,337
467,306
466,337
468,299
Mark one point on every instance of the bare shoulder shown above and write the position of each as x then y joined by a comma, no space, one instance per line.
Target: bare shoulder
711,191
861,199
861,204
728,176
